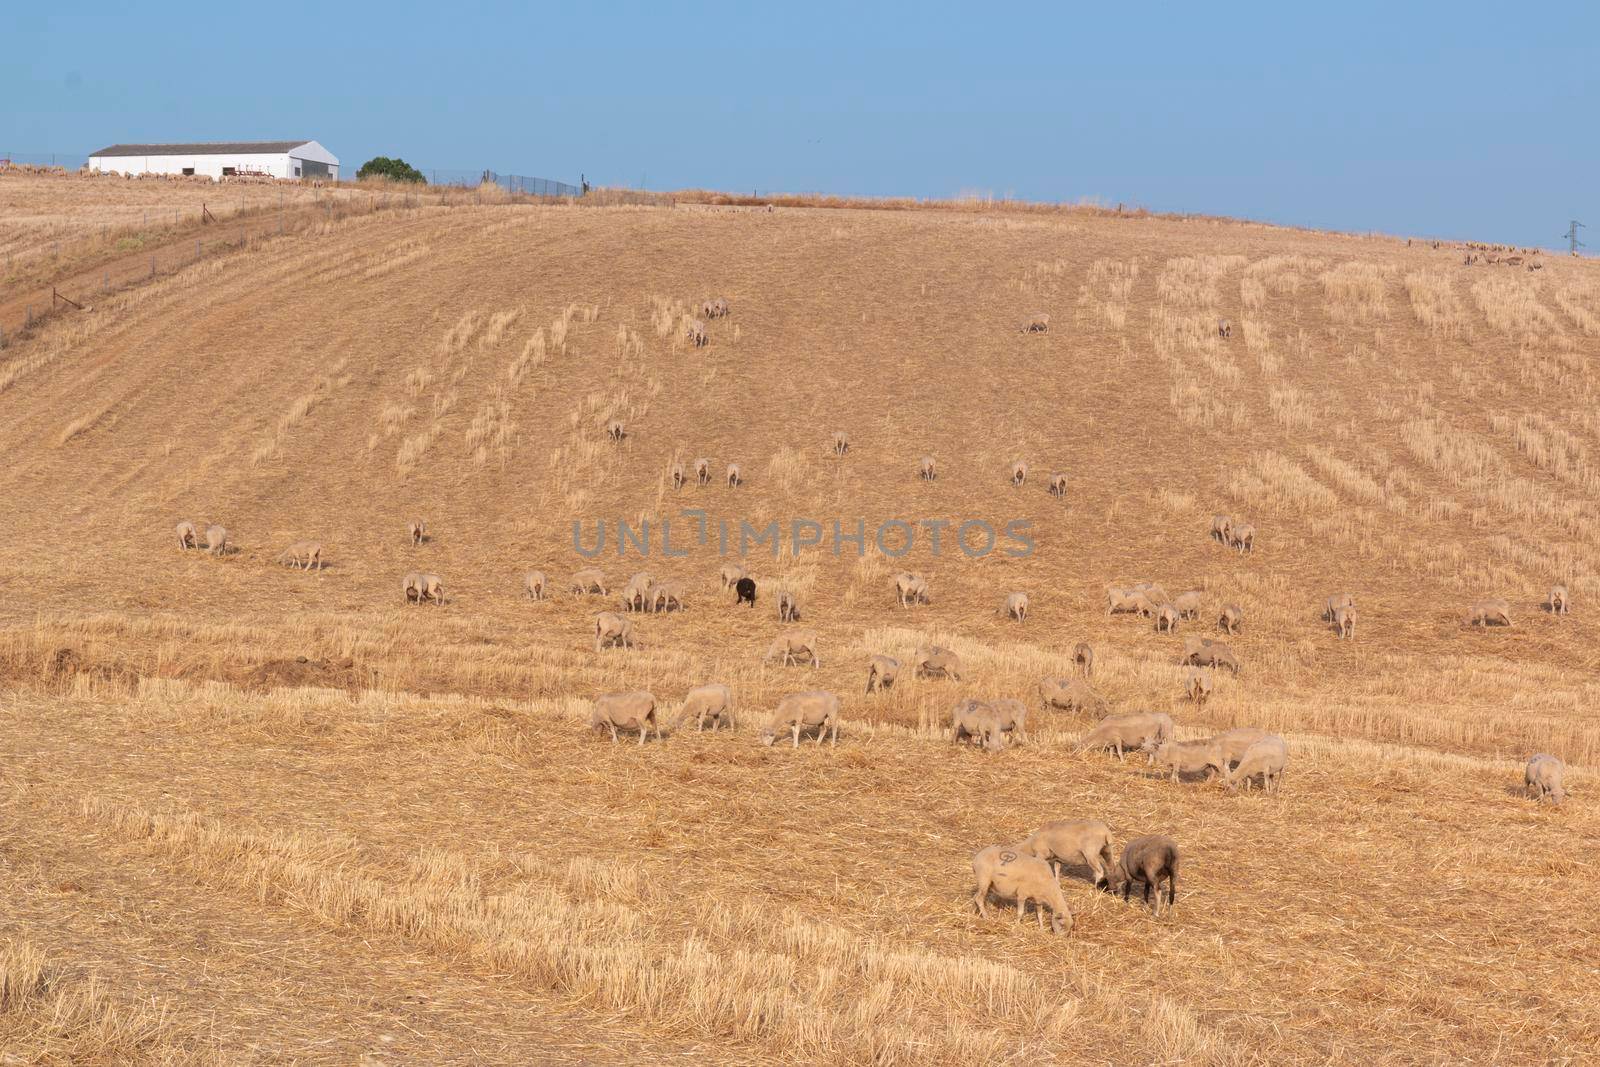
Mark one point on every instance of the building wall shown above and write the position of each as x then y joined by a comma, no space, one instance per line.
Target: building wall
278,165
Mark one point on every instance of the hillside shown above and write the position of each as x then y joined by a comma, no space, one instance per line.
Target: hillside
301,787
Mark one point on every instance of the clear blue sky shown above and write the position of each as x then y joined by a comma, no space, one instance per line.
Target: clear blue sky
1450,119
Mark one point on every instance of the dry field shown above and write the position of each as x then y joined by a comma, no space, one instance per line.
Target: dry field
255,814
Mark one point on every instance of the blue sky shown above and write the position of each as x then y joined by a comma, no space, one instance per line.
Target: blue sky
1460,120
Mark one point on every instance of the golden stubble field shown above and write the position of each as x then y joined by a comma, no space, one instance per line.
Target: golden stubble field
252,814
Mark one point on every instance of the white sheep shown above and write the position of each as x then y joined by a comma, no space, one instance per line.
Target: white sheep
730,574
882,672
417,531
936,662
588,580
788,606
702,471
1125,732
713,701
188,536
1019,473
926,470
1083,658
630,711
1062,841
818,709
1543,777
1013,875
611,629
1267,757
735,478
216,539
1058,484
841,442
533,584
1017,606
793,647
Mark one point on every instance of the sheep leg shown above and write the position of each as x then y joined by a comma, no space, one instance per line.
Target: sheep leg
835,732
796,729
613,732
979,897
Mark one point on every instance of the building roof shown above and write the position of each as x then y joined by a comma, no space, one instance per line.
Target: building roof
202,148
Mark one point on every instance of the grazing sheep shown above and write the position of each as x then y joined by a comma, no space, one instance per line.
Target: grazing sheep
975,721
588,580
417,531
1070,694
1244,537
678,477
745,590
612,631
926,469
788,606
794,646
1121,601
216,539
1083,658
719,307
1013,875
303,554
1543,777
616,430
1017,606
708,309
631,711
1266,757
1013,717
841,442
1153,591
1130,731
1063,841
1186,757
1188,604
636,594
1167,619
702,471
533,584
735,478
1237,741
1344,622
1151,860
818,709
1484,613
936,662
1231,619
433,589
714,702
882,672
695,332
1224,328
1335,602
731,573
1197,685
411,587
1058,484
1019,472
1039,323
1222,529
188,536
911,589
1558,603
666,596
1204,652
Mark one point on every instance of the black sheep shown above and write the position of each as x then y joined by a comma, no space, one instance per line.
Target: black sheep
746,588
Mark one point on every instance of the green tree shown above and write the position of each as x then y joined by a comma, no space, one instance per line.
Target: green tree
396,170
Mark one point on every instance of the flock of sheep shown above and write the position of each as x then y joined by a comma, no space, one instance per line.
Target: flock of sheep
1027,871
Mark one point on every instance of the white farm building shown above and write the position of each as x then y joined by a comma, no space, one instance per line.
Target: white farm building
223,159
